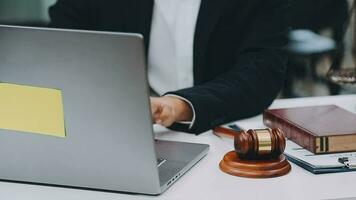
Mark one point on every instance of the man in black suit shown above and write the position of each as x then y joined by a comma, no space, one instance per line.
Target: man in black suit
238,59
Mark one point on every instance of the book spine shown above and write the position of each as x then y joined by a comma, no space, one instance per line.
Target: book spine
291,131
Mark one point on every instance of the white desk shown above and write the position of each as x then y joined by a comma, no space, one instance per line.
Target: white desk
206,181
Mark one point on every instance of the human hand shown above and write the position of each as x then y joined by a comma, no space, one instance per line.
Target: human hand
168,110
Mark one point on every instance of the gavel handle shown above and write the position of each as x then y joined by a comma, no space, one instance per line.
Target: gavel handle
222,131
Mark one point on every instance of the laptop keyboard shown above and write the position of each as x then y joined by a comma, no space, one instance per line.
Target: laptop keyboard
160,161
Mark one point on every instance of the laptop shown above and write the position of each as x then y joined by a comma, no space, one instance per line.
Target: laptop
109,142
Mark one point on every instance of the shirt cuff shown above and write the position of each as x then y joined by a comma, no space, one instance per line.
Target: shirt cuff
190,123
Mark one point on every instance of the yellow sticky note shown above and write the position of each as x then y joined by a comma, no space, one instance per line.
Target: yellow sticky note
31,109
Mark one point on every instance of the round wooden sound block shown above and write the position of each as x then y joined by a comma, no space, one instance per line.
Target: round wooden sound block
233,165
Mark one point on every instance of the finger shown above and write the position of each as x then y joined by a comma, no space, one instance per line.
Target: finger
156,115
156,109
154,105
166,117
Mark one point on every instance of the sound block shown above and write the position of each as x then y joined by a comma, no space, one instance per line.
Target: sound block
233,165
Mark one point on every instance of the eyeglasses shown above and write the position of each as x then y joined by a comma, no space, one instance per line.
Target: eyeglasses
342,76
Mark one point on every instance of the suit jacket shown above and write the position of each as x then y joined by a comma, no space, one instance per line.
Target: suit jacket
239,57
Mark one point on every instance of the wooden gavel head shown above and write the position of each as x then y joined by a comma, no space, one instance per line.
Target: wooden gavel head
259,144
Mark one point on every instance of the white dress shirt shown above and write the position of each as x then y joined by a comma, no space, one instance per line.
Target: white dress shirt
170,57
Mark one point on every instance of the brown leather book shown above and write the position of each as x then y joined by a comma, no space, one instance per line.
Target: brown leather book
320,129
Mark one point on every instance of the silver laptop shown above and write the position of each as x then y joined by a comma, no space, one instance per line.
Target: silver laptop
109,143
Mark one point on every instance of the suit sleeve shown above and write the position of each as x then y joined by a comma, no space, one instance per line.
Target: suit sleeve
255,79
70,14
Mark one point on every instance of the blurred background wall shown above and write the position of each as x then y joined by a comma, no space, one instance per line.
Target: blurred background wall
24,12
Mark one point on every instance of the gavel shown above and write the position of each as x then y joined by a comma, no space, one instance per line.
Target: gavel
257,144
258,153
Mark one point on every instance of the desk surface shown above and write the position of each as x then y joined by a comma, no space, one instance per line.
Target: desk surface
206,181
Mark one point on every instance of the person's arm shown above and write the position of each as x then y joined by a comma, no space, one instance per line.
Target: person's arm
254,81
71,14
